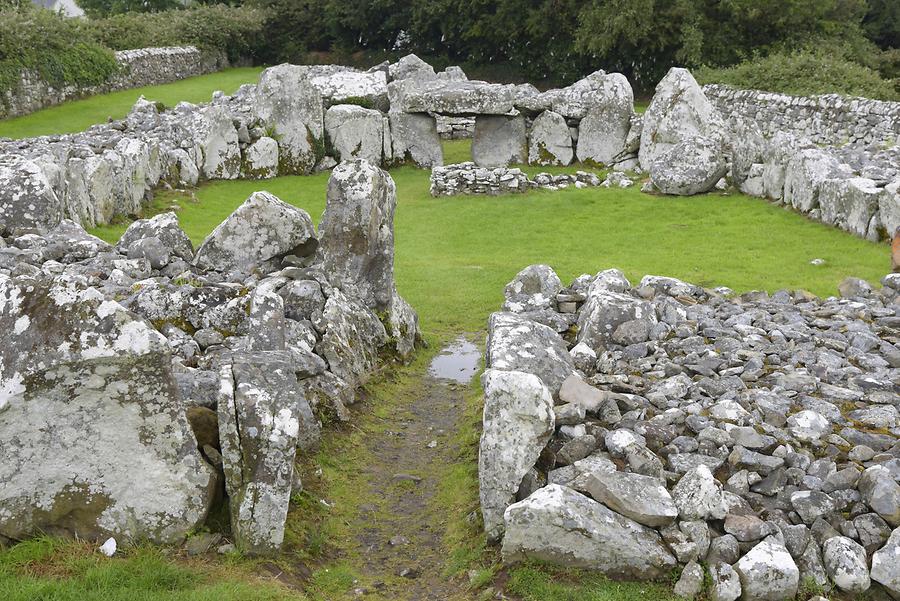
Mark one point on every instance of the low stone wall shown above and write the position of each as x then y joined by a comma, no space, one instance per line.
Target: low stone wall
828,119
470,179
141,67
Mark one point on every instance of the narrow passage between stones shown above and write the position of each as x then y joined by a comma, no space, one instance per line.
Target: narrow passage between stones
401,538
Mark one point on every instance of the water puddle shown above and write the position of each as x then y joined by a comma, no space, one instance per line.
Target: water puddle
457,362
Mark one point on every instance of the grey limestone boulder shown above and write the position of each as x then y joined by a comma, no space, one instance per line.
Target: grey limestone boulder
519,344
499,141
518,422
257,235
550,141
886,565
93,431
289,105
27,200
259,408
605,311
414,137
678,111
691,166
261,159
851,204
642,498
355,133
533,289
558,525
603,131
804,175
846,564
768,573
165,228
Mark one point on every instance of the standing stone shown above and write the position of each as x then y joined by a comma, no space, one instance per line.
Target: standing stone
499,141
886,565
27,201
768,573
93,432
357,232
679,110
355,133
414,137
218,139
261,159
604,130
257,235
845,562
518,422
558,525
550,142
291,107
259,423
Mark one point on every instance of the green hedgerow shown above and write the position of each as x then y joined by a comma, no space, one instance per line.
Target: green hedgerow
58,49
803,73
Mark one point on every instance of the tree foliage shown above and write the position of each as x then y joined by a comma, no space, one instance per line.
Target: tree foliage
97,9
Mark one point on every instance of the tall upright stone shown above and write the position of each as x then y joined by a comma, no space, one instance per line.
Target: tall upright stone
499,141
288,104
679,111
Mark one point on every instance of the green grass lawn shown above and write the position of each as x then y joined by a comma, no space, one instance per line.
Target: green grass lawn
78,115
454,255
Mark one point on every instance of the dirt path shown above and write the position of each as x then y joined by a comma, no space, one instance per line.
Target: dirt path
402,532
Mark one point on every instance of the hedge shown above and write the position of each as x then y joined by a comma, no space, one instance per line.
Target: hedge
60,50
804,73
232,30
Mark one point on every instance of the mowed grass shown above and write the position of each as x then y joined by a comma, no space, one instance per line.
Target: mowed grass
79,115
454,255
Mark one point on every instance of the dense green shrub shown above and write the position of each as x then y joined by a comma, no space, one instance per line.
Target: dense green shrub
59,49
97,9
233,30
804,72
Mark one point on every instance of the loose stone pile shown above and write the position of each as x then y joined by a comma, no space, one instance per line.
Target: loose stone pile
469,178
142,381
633,429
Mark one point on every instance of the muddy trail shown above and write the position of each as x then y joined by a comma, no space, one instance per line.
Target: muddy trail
399,532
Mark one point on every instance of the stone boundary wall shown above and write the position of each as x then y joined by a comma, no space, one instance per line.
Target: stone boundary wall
140,67
830,119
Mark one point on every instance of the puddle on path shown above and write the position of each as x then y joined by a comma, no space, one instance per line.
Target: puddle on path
457,362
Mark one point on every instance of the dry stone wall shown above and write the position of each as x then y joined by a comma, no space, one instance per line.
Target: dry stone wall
140,67
828,119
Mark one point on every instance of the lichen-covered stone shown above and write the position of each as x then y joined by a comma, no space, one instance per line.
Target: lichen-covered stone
518,422
93,432
257,234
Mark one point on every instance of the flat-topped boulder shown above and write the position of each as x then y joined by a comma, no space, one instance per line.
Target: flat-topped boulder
452,97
